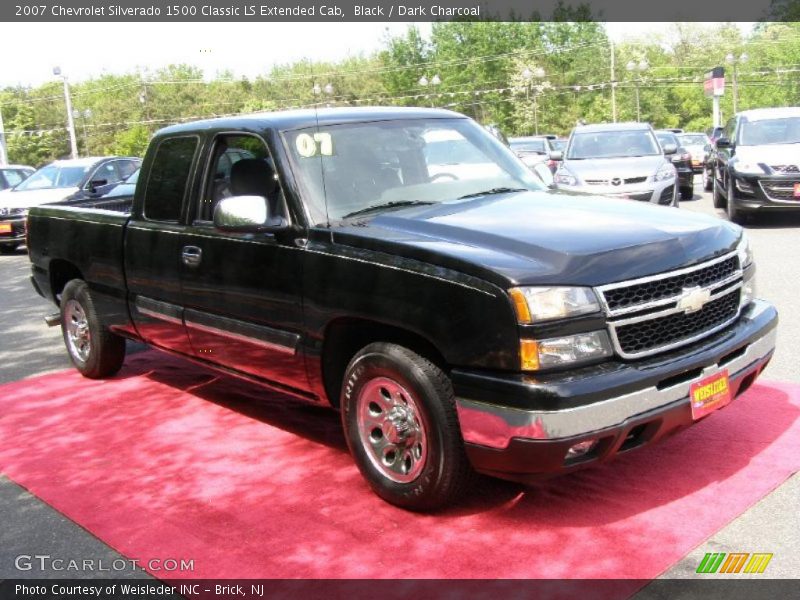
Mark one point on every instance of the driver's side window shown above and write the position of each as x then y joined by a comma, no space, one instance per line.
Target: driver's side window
106,173
240,165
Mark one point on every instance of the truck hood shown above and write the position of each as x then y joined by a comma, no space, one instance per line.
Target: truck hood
546,237
28,198
770,154
608,168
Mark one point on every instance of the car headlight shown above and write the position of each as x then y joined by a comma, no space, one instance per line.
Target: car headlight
564,177
537,304
667,171
566,350
745,252
747,168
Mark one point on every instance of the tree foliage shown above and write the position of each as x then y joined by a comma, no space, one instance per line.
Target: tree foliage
518,75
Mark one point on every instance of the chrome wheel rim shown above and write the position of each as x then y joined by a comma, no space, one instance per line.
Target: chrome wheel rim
391,429
79,339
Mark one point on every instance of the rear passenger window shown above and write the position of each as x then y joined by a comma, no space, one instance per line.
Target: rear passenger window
169,176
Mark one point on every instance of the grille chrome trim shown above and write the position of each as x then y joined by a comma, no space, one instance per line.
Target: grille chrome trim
612,326
774,185
719,289
650,278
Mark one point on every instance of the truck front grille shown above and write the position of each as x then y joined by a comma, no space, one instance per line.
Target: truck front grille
658,289
657,313
676,328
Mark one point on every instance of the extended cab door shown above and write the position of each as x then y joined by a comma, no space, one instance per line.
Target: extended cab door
241,291
153,242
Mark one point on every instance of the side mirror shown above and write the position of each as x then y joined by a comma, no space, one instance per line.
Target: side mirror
96,183
556,155
246,214
723,143
670,149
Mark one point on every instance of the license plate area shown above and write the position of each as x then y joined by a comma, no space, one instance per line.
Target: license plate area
6,228
796,192
709,394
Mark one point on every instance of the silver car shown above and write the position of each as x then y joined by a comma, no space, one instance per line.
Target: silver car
623,160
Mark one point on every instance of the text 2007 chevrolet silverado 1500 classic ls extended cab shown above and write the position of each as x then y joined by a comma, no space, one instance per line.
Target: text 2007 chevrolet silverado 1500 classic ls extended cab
404,266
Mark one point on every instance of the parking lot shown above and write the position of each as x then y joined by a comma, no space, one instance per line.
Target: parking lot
31,348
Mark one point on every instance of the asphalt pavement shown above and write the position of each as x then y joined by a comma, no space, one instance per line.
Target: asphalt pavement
30,348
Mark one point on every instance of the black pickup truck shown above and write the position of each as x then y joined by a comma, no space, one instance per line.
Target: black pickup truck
403,266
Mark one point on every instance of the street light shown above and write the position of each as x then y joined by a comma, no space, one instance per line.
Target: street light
528,75
433,82
639,68
327,89
86,114
733,60
70,123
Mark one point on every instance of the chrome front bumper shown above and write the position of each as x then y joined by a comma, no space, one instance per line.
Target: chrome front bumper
494,426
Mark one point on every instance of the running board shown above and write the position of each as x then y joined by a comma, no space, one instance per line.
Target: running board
53,320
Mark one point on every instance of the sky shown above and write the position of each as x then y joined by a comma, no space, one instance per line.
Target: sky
87,50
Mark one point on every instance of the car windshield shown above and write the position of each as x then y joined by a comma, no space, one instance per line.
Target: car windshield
665,138
53,176
381,165
612,144
529,146
134,177
770,131
693,139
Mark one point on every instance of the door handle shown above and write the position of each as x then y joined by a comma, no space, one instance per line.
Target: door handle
192,255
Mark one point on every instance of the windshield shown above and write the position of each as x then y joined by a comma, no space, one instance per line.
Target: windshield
387,164
612,144
133,178
770,131
529,146
693,140
53,176
665,138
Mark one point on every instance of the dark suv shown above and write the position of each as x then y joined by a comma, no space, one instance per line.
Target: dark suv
757,163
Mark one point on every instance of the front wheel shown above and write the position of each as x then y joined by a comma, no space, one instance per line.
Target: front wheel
93,349
401,425
735,214
719,199
707,181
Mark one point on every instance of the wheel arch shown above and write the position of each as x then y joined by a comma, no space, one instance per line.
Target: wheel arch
61,273
345,336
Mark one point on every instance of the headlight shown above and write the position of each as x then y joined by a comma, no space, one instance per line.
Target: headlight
565,177
567,350
667,171
745,252
536,304
747,168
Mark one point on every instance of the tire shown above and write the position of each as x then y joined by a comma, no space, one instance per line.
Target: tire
735,215
400,422
687,193
8,248
93,349
719,199
708,182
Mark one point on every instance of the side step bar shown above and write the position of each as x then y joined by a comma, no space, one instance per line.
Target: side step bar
53,320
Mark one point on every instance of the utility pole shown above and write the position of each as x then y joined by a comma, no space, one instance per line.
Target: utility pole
73,143
3,148
613,85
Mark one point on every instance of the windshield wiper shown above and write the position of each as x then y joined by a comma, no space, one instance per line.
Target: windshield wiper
497,190
385,205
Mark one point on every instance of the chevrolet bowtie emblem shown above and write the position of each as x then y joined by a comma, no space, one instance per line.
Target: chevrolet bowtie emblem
693,299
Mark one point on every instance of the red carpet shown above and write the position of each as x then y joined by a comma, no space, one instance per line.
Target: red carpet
167,461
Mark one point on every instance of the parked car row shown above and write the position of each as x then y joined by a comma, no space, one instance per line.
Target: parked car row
66,181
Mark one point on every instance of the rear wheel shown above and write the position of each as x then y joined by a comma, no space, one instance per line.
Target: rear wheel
93,349
400,421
